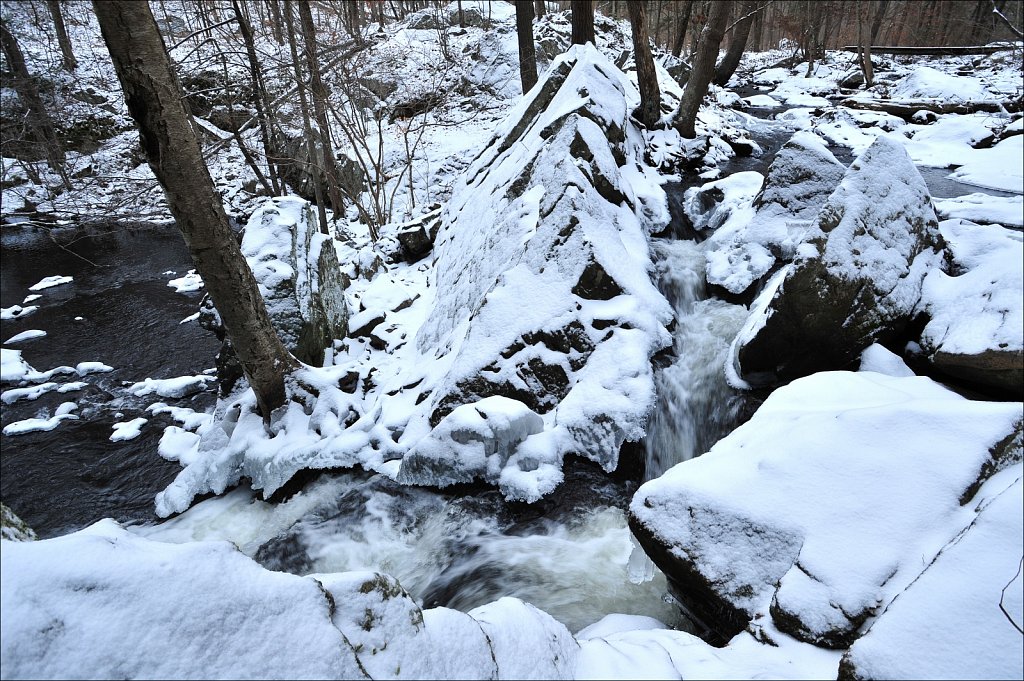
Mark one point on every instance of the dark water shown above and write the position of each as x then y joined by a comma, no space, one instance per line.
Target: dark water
67,478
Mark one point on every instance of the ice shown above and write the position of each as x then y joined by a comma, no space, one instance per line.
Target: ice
30,334
1001,167
983,208
61,413
187,284
127,430
17,311
180,386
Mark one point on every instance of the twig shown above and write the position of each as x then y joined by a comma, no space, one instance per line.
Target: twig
1003,595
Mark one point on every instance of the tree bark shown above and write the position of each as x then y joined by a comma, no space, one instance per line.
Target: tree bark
155,102
739,43
527,52
684,23
539,8
705,54
582,19
259,97
70,63
646,76
319,92
38,119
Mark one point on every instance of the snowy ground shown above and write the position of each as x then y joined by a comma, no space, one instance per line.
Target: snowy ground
177,607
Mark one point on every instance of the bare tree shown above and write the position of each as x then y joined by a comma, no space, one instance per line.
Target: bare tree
155,102
38,119
539,8
683,23
705,54
582,19
737,43
527,52
66,52
646,76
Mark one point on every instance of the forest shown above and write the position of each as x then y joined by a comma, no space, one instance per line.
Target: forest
578,339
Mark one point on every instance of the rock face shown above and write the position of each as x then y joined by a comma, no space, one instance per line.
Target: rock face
801,177
298,274
780,519
975,331
856,281
543,294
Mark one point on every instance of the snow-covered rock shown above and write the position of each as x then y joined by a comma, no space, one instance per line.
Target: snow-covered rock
781,518
799,180
543,291
962,617
13,528
975,330
925,82
855,282
131,607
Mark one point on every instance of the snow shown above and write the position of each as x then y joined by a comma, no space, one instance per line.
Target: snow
30,334
131,607
979,307
187,284
955,606
127,430
61,413
983,209
17,311
925,82
48,282
1001,167
180,386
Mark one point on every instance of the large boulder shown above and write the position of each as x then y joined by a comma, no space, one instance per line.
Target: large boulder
975,331
856,280
543,291
781,518
802,176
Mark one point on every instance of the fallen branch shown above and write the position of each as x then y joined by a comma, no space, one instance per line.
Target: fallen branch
934,51
906,109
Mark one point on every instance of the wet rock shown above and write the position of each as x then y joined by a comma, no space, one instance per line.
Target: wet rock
856,281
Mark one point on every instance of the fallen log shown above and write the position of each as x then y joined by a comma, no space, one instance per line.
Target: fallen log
934,51
906,108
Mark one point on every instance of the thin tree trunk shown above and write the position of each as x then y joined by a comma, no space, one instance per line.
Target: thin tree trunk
646,76
582,19
276,25
462,17
70,64
39,119
312,171
538,8
259,97
864,45
876,23
155,101
705,54
527,52
684,22
320,107
738,44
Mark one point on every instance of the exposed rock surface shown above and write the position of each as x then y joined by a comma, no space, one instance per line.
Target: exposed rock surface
543,294
14,528
781,517
856,281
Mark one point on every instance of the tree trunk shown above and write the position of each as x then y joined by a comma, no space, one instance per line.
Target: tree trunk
307,126
276,25
320,107
527,52
705,54
876,23
864,43
684,23
738,44
538,8
582,12
155,101
70,64
38,118
646,77
462,16
259,97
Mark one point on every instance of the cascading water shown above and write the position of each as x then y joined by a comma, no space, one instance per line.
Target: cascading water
695,405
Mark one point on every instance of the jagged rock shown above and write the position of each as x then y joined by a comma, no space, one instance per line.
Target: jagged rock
856,281
426,20
799,180
975,331
417,237
781,517
362,323
532,248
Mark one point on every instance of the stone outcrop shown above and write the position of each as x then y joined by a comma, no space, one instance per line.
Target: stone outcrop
856,280
543,292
